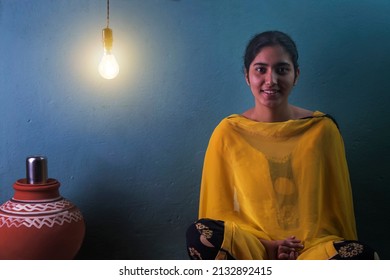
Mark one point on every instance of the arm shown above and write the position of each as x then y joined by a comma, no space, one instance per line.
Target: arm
216,194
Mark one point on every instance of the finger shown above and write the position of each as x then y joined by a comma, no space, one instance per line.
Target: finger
293,244
293,240
283,256
296,245
285,249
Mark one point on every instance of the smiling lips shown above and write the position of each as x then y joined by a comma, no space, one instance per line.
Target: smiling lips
270,92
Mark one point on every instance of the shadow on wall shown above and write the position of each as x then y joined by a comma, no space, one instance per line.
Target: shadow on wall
130,221
359,102
369,170
111,233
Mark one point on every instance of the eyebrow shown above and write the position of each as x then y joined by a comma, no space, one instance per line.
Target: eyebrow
277,64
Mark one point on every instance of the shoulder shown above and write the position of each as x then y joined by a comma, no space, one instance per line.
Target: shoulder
301,113
223,127
224,131
330,117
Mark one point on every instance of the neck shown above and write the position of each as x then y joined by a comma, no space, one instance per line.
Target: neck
270,114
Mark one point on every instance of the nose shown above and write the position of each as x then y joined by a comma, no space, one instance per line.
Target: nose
271,78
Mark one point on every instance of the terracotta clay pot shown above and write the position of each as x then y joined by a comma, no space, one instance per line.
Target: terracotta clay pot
38,223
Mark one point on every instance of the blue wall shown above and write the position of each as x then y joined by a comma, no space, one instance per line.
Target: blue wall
129,151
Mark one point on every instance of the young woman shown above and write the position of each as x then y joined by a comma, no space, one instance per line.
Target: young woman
275,181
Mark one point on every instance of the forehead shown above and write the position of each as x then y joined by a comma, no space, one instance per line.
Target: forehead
272,55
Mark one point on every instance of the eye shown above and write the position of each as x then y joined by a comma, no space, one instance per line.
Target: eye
282,70
261,69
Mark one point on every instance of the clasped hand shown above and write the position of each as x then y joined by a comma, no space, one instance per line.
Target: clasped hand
287,249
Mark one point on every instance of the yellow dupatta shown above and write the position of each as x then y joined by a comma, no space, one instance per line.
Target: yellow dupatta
275,180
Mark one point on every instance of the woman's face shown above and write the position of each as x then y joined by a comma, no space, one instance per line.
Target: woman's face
271,77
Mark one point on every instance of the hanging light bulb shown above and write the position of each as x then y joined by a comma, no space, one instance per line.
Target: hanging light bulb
108,66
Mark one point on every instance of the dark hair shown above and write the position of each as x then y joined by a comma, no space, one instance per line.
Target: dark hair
270,38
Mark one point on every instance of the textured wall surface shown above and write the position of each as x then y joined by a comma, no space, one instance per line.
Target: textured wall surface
129,151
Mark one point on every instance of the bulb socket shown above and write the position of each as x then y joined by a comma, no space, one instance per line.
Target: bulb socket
107,39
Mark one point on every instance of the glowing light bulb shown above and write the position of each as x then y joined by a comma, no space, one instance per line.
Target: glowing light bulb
108,66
